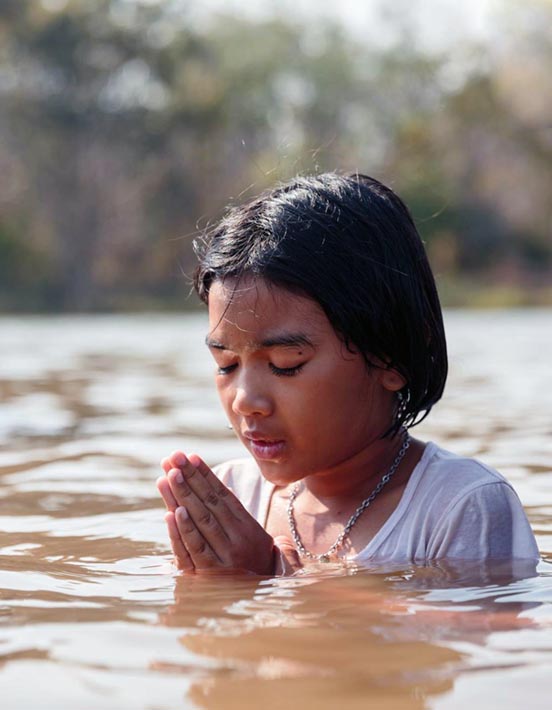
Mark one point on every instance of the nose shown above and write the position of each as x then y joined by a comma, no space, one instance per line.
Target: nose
251,396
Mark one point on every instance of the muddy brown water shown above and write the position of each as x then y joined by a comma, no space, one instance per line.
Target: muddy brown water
92,614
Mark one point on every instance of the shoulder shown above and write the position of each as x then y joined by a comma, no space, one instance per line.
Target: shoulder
476,510
438,482
443,478
448,481
461,472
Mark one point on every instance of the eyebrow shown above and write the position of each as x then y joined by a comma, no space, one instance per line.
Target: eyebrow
285,340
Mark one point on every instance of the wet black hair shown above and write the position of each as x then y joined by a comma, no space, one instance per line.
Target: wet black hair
350,243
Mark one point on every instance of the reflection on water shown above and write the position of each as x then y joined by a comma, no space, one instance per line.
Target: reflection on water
90,607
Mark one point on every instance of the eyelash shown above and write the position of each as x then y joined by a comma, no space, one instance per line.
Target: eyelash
278,371
286,371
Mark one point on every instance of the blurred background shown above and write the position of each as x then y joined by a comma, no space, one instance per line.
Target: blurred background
127,126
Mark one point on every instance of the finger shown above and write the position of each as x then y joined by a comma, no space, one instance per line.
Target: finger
182,558
164,488
204,520
199,489
241,530
219,498
197,547
178,459
166,464
207,487
236,543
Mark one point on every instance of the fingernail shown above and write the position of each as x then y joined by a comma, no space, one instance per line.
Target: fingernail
178,459
182,513
179,477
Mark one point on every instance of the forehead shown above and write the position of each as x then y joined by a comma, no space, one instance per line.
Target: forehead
253,308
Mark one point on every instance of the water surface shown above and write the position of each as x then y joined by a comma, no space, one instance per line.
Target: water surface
92,614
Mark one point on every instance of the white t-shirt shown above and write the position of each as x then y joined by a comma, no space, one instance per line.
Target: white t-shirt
452,507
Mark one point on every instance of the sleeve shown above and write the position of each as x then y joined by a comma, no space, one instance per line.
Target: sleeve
487,522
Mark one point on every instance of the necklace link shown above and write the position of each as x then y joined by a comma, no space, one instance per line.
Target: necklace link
325,557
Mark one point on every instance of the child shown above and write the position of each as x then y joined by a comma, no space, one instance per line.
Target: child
326,330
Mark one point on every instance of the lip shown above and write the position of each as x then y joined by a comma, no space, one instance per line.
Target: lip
263,447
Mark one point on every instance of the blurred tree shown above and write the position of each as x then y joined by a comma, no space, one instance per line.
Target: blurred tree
124,129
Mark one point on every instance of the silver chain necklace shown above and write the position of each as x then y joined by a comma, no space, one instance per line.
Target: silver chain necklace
354,517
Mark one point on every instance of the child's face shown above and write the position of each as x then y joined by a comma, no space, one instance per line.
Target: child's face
299,401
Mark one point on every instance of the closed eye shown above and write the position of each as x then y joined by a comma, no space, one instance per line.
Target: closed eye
286,371
226,370
279,371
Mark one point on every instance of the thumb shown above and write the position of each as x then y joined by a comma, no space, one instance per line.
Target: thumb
289,561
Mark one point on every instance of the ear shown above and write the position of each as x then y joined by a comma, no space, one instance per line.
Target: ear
391,380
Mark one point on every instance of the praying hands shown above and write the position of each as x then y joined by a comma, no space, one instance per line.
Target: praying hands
209,529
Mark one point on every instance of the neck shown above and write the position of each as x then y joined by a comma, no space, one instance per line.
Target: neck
346,479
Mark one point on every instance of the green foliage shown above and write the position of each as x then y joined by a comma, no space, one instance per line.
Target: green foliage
124,129
13,258
25,279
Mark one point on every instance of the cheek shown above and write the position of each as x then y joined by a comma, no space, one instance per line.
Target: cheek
349,385
346,402
225,393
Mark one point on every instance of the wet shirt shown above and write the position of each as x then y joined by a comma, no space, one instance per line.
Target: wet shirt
452,507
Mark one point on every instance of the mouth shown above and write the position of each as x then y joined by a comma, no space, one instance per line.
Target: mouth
264,448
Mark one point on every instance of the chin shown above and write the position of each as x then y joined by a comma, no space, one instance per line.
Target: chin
279,473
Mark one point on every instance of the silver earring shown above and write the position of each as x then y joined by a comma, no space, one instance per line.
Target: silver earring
403,398
229,426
